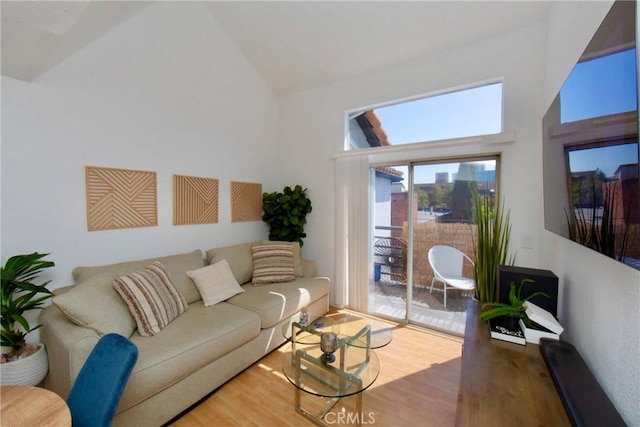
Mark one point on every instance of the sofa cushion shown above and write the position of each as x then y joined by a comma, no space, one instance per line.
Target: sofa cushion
177,266
152,298
278,301
297,257
215,282
272,264
195,339
95,304
239,259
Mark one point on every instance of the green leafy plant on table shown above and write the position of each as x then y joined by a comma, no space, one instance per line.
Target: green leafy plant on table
20,294
286,213
514,308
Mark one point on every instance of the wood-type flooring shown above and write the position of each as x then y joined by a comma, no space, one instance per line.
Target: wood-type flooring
417,386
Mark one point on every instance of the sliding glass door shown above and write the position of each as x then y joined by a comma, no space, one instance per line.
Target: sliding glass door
415,207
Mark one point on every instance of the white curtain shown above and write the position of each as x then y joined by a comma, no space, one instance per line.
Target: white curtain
352,232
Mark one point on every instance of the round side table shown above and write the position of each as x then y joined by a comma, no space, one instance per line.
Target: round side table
23,405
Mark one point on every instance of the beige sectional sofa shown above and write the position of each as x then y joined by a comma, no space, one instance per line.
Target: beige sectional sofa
194,354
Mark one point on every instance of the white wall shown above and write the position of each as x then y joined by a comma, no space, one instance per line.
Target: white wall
317,117
382,207
593,288
166,91
600,298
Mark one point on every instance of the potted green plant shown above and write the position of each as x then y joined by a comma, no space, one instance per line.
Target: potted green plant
286,213
514,309
490,246
22,363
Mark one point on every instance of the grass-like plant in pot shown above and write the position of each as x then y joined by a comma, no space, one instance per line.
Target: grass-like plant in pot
515,308
602,230
490,245
286,213
20,294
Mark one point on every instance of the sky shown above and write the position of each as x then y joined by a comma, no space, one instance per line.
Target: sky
607,159
426,174
476,111
599,87
602,86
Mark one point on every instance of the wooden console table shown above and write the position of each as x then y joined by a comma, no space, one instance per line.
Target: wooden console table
503,383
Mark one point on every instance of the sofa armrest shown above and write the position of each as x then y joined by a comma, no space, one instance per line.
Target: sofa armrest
68,346
309,268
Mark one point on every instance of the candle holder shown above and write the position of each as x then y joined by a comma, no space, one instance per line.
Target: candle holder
304,317
328,345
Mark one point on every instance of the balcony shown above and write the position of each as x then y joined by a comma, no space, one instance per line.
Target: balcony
388,289
390,300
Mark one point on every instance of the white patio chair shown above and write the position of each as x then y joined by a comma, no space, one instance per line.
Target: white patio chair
446,263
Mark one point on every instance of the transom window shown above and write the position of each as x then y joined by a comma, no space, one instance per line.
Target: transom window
456,114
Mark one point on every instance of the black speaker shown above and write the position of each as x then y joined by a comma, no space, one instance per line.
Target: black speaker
544,280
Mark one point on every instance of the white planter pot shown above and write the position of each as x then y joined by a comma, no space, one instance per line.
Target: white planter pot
28,371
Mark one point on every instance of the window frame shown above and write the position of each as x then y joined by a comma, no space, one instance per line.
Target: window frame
500,137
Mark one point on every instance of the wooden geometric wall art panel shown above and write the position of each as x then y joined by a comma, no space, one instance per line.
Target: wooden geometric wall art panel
246,201
120,198
195,200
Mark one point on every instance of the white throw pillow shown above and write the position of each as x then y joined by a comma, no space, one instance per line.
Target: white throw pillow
215,282
95,304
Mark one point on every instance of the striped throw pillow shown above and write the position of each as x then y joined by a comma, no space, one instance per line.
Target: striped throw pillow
272,263
151,297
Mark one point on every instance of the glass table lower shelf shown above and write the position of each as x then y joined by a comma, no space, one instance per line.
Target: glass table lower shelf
354,370
344,325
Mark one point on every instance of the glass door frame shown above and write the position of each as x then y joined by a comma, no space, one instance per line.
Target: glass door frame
411,214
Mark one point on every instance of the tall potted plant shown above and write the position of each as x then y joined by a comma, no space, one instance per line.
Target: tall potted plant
286,213
22,363
490,245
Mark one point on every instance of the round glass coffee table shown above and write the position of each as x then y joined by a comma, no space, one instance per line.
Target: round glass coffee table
351,368
354,370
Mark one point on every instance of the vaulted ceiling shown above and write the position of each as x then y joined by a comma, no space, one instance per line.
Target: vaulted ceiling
294,45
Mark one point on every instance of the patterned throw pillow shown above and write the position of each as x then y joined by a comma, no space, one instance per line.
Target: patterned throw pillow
272,263
298,268
152,298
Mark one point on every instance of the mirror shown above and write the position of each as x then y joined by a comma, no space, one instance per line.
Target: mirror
590,144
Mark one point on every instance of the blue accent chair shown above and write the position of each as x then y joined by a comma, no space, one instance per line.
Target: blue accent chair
95,395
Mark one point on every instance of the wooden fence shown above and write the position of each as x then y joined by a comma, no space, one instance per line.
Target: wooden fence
431,233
